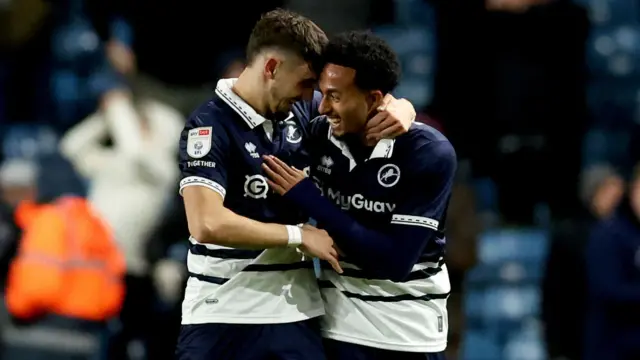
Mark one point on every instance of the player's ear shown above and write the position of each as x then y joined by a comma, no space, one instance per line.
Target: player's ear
270,68
374,99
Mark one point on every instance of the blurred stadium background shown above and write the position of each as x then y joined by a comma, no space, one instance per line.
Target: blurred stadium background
541,99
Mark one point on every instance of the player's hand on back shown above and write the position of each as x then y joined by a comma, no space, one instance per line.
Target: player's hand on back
393,119
281,177
318,243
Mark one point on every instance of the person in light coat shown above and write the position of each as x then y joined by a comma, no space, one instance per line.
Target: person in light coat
127,151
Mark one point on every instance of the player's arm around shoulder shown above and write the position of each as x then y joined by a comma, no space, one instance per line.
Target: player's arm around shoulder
393,118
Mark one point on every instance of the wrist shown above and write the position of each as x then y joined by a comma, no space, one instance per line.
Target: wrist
294,234
299,194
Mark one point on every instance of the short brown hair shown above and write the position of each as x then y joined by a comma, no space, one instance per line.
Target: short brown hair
287,30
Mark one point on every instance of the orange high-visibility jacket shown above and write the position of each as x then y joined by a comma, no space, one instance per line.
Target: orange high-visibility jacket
67,264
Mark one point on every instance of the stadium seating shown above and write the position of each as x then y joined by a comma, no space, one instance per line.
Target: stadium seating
603,146
414,13
613,94
502,296
481,345
28,141
40,144
605,12
614,51
416,50
55,338
413,38
79,70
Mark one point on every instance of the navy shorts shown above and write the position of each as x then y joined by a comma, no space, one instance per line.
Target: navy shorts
338,350
291,341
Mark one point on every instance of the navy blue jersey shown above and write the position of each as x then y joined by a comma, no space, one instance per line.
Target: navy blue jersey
396,184
221,148
394,197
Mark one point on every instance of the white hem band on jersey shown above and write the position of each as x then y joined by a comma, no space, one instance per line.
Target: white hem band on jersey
189,318
295,236
431,347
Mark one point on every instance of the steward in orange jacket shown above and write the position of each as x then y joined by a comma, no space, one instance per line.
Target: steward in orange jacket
67,264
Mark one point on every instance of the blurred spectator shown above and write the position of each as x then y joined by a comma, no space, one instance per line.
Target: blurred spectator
67,264
9,235
79,71
17,184
175,51
18,181
47,336
564,285
58,310
613,273
131,182
167,252
56,66
463,228
538,105
511,96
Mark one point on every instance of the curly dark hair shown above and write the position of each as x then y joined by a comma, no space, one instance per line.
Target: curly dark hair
376,64
287,30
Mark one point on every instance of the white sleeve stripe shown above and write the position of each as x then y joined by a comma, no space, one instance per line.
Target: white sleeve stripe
415,221
414,224
200,181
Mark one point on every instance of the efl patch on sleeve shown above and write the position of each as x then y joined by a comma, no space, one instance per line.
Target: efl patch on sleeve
199,142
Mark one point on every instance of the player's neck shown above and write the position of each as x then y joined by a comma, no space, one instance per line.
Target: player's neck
362,140
358,146
251,93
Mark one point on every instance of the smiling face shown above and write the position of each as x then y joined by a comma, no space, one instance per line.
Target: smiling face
346,105
293,80
282,45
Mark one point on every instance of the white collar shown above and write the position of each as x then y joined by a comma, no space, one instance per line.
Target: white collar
382,150
246,112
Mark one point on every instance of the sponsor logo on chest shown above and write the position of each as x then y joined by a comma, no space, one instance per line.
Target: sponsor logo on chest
357,201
